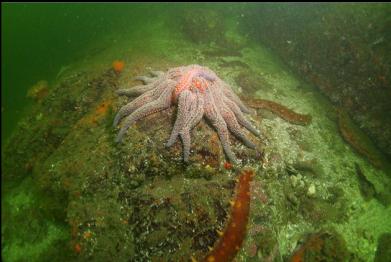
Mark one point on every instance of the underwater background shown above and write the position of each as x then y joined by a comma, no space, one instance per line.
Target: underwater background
316,76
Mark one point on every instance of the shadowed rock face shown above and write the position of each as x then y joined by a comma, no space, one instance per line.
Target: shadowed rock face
202,25
343,50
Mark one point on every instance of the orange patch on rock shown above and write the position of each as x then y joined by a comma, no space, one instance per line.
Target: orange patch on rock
99,112
228,165
77,248
87,234
118,66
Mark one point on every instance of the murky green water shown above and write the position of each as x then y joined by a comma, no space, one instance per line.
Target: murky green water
316,75
39,39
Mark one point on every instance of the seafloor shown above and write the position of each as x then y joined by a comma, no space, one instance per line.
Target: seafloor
71,193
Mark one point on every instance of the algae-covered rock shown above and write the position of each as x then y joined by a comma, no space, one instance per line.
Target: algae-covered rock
103,200
322,246
119,200
39,90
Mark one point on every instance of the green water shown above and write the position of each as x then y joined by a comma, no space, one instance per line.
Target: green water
69,193
38,39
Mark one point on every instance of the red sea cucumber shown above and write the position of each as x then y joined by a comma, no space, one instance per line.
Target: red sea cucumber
230,241
280,110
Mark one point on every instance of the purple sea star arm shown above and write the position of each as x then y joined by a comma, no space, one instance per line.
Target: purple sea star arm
141,89
240,117
191,122
145,79
229,117
135,91
163,102
217,121
206,75
157,73
185,101
130,107
234,127
198,112
145,98
233,97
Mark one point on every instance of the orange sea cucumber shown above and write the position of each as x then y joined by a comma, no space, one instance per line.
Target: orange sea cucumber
230,241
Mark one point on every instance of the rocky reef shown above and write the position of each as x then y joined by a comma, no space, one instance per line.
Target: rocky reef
137,199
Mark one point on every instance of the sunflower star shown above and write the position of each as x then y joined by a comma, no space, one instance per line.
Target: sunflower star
198,92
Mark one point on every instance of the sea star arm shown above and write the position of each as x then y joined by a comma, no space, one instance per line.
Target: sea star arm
233,97
145,79
134,91
190,123
234,127
130,107
185,101
157,73
217,121
141,89
163,102
240,117
145,98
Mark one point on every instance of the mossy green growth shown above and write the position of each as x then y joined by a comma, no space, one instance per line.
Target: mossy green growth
31,230
383,251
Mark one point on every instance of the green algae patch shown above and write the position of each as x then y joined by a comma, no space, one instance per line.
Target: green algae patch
383,251
43,235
